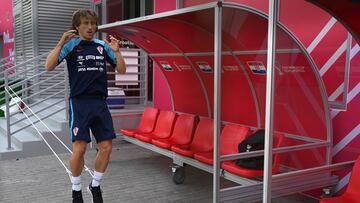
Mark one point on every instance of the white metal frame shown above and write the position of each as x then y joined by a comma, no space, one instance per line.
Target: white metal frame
342,105
269,106
217,100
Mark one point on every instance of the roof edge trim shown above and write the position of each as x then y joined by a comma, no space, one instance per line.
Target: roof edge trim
160,15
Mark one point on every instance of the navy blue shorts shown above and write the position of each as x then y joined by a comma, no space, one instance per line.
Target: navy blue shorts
90,113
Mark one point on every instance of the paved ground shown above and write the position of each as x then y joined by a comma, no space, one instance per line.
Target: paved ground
134,175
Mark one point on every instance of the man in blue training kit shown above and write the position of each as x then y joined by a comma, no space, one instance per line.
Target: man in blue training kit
86,59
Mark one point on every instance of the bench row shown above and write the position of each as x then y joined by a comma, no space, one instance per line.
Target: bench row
192,136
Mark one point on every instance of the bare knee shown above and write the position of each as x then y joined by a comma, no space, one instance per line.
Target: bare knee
105,147
79,148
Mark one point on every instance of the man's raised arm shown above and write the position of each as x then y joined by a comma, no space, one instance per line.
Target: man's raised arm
53,58
114,45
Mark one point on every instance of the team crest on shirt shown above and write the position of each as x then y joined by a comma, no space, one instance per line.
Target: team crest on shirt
79,49
100,49
75,131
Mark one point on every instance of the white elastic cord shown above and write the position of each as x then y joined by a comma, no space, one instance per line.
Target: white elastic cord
67,170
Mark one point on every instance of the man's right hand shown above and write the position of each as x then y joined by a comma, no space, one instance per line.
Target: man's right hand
67,36
53,57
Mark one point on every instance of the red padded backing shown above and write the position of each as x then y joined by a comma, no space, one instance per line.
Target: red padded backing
163,128
148,120
340,199
352,192
183,150
231,136
164,124
205,157
145,137
353,189
231,167
203,139
163,143
184,84
235,90
129,131
182,133
279,141
146,125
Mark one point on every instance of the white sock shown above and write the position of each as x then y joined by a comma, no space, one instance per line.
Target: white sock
96,179
76,185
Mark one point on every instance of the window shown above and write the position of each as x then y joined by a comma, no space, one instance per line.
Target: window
114,10
137,83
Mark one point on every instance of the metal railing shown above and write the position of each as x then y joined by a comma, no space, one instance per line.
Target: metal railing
6,59
24,79
36,87
6,63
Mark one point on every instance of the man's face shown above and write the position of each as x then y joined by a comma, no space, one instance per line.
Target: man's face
87,28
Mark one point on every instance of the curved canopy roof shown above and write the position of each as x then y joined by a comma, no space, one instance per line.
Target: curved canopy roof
181,42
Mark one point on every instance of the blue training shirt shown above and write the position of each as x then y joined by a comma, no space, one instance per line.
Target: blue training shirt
86,62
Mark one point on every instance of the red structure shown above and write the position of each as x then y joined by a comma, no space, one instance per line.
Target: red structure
323,32
352,192
6,28
187,64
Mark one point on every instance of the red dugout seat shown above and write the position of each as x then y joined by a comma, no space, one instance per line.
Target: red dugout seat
231,136
163,128
182,134
146,125
202,141
230,166
352,192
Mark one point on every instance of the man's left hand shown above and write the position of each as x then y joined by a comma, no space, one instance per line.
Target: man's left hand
113,44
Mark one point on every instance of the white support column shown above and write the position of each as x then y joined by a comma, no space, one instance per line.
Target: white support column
217,102
347,70
103,16
179,4
269,110
67,92
7,110
142,7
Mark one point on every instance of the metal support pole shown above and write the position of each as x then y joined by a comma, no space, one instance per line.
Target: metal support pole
67,91
269,111
142,7
179,4
7,110
25,93
217,102
36,72
347,70
103,17
146,62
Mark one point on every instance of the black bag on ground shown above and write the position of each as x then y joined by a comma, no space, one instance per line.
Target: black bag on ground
252,143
